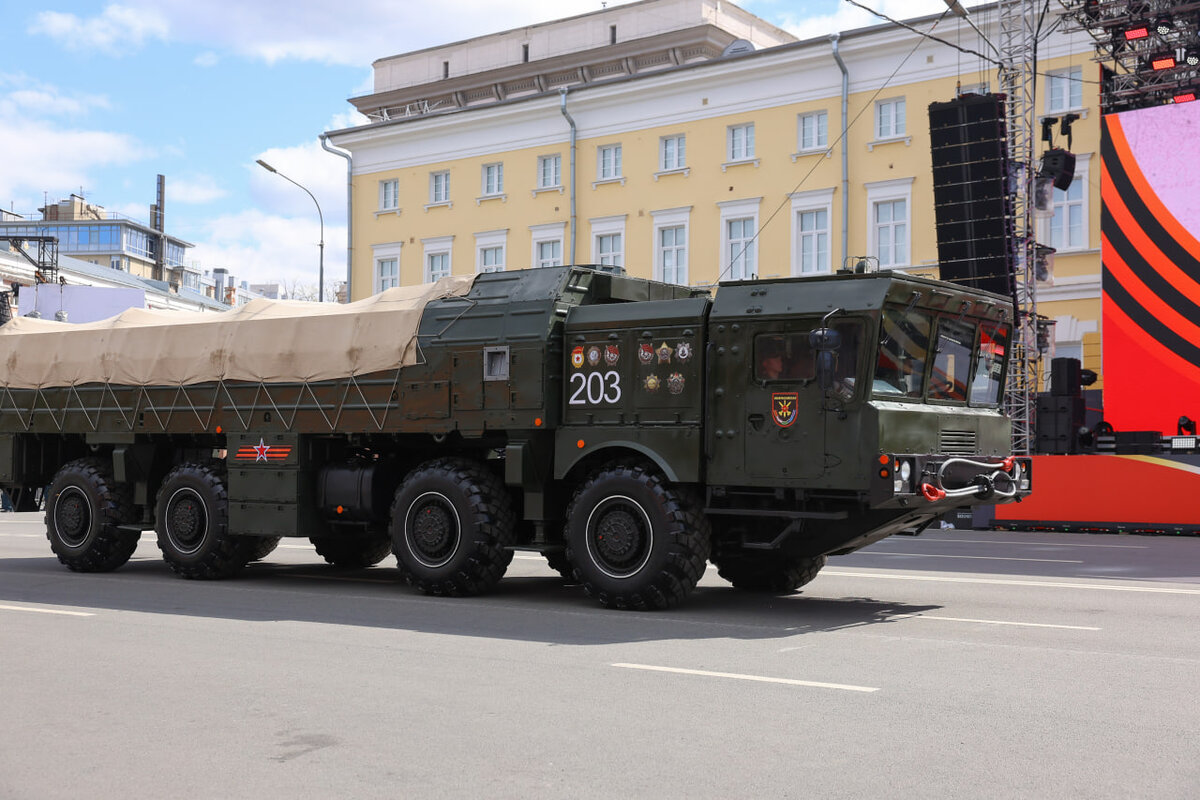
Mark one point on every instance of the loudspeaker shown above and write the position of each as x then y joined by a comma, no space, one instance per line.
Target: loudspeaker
1060,165
1065,377
971,199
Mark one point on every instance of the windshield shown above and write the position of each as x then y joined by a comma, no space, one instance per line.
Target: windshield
903,351
951,361
989,369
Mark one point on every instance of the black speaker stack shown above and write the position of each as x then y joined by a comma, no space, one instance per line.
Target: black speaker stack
972,206
1061,411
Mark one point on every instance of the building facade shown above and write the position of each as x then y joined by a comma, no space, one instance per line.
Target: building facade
703,145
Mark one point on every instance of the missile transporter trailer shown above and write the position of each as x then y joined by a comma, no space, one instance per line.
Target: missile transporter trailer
629,430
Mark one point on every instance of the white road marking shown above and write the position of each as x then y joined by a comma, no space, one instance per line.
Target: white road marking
998,582
985,558
48,611
998,622
1036,544
758,678
296,546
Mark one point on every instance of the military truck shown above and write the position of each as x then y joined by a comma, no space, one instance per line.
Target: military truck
629,430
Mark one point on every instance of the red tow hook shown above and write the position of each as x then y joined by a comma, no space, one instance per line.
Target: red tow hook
1008,463
931,492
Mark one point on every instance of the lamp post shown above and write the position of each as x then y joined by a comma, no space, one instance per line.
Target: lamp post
320,218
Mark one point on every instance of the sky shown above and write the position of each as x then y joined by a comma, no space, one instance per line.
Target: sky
98,99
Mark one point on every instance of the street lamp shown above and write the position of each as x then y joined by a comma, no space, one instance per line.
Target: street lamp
320,217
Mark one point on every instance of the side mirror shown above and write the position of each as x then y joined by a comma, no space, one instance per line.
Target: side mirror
825,342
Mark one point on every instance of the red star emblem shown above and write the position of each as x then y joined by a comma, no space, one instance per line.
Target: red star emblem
260,450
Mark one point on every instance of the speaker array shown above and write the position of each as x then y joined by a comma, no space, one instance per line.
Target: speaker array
972,209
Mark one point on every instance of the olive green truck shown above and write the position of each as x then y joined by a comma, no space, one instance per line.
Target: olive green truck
630,431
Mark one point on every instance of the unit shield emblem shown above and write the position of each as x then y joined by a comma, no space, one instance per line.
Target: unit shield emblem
783,408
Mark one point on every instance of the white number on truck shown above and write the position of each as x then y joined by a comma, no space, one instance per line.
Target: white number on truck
595,388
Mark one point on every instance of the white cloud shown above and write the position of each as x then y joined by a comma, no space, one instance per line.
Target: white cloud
194,191
848,17
318,171
206,59
263,248
32,97
55,160
115,31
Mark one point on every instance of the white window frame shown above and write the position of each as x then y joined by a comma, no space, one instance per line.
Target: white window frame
608,226
541,234
895,111
555,162
743,154
1082,166
386,251
436,246
731,210
1069,81
666,219
803,203
613,172
820,121
491,182
435,198
486,243
384,204
887,191
672,153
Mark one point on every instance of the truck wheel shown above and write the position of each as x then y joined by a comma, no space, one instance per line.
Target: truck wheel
451,526
636,541
768,572
262,546
83,509
192,523
363,550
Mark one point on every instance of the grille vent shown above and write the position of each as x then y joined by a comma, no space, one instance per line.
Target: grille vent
957,443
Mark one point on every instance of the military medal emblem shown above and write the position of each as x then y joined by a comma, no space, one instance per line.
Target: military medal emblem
783,408
577,357
675,383
593,355
664,353
652,383
684,351
646,353
612,354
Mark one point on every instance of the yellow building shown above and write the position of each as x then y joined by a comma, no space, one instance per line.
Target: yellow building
689,141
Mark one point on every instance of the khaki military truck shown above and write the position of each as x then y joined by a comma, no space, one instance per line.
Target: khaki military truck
629,430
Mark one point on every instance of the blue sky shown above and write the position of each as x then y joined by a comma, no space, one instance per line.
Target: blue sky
103,97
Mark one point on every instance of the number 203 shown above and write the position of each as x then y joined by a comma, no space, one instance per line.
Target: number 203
595,388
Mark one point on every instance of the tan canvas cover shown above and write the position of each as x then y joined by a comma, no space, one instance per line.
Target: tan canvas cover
264,340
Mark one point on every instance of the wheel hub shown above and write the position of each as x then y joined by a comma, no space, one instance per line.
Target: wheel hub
433,530
187,521
72,517
619,537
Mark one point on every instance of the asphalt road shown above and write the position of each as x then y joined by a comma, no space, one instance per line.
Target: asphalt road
957,664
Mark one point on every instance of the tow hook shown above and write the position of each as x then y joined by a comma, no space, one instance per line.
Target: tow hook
932,493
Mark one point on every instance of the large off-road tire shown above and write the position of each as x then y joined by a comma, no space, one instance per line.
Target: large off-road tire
771,573
263,546
451,526
192,522
84,506
354,550
634,540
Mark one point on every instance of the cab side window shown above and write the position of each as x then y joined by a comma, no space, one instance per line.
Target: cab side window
783,357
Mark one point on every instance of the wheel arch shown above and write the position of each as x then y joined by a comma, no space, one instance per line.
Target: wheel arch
588,459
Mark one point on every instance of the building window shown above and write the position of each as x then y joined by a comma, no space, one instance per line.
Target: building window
609,250
740,139
437,266
439,187
389,195
549,171
672,152
889,118
813,246
1068,228
115,262
1064,90
493,179
891,232
549,254
387,274
491,259
672,254
813,130
740,260
608,165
